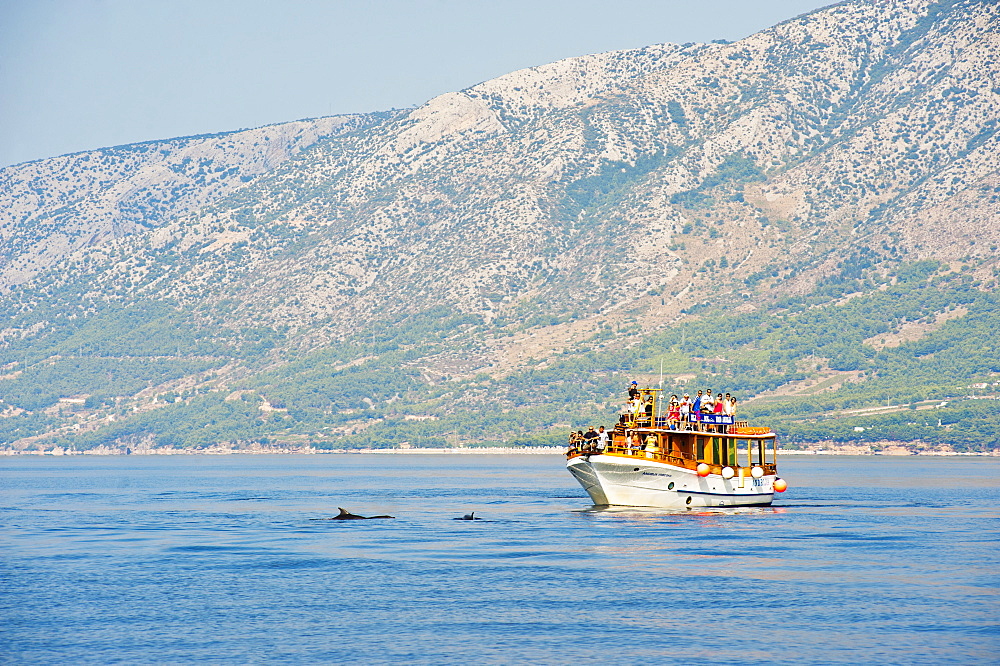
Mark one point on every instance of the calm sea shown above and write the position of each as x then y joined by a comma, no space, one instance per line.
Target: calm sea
223,559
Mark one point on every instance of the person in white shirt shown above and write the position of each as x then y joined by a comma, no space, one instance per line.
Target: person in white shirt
685,410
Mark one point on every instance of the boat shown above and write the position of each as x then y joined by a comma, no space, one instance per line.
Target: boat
713,460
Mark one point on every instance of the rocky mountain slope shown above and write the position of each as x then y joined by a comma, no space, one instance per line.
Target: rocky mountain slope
51,208
512,225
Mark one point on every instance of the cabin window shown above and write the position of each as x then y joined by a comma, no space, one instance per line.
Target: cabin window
740,444
764,445
758,455
729,448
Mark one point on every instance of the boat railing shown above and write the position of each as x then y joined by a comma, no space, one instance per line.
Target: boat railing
644,453
678,458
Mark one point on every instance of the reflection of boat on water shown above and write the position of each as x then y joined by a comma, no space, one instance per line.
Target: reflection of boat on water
718,462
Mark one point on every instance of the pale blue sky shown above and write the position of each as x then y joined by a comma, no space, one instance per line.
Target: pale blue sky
82,74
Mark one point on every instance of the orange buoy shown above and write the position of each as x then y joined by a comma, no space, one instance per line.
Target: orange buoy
780,486
703,469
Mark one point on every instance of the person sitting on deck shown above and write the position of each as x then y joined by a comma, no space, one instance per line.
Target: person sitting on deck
574,441
629,411
651,444
636,408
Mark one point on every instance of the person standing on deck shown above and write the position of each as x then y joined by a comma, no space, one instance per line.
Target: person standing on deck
602,439
708,407
708,403
673,413
696,408
684,410
648,409
728,410
718,411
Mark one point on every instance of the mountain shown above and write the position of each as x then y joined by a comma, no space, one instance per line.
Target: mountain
51,208
800,216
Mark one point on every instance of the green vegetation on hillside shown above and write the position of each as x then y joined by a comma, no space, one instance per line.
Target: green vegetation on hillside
372,391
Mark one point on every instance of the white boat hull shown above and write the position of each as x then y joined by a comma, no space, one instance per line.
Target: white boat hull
617,480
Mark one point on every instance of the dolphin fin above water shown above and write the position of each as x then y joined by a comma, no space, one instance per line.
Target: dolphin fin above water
347,515
469,516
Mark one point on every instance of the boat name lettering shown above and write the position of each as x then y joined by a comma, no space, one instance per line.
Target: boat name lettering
656,474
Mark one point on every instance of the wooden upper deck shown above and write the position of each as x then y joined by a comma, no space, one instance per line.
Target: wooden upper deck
689,448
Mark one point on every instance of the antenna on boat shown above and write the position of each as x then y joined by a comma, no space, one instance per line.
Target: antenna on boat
661,372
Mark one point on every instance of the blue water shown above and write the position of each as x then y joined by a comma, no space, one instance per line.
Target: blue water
220,559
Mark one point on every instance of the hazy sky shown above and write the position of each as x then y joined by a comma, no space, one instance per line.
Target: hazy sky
82,74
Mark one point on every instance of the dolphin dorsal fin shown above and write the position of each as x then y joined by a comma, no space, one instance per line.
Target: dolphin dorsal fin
344,512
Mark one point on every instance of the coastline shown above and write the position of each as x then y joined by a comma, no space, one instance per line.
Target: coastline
817,449
256,449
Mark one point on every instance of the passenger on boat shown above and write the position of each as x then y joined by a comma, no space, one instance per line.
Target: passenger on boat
708,403
708,407
685,411
574,441
673,413
636,408
633,390
648,410
726,410
590,440
602,438
651,444
720,404
696,408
